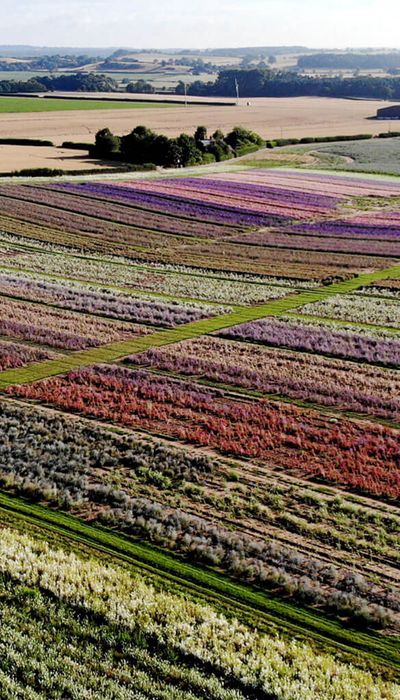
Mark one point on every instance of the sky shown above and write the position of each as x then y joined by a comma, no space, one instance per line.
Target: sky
201,23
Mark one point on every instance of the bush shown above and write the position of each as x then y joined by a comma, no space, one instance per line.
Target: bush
25,142
79,146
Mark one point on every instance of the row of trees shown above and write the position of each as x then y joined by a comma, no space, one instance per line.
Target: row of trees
259,82
144,146
78,82
351,61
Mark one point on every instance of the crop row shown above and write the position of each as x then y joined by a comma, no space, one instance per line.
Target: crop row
128,483
16,355
322,243
86,658
160,197
112,212
346,342
73,223
358,455
217,256
58,328
93,300
185,284
282,205
351,228
380,312
318,183
261,194
267,665
372,390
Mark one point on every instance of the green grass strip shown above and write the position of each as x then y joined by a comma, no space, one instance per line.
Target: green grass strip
13,105
263,609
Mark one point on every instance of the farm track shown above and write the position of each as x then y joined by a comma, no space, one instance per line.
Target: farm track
117,350
210,585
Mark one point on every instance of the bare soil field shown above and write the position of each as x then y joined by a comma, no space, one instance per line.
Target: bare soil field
270,117
20,157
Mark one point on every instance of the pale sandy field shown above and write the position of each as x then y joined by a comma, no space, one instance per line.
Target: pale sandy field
20,157
270,117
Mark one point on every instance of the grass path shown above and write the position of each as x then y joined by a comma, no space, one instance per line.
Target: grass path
247,602
115,351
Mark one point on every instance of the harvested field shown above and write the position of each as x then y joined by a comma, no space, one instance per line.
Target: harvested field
270,117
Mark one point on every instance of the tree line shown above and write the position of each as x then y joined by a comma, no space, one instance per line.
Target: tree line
351,61
77,82
263,82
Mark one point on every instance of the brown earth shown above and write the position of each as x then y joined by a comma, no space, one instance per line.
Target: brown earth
270,117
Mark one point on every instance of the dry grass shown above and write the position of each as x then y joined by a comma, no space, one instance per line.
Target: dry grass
271,117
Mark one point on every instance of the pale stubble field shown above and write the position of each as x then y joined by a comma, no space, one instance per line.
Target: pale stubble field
270,117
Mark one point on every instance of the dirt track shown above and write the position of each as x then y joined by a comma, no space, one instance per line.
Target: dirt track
271,117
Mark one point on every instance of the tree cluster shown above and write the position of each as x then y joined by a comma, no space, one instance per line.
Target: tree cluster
142,145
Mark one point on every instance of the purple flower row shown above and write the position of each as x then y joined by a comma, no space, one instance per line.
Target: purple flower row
347,228
179,205
105,303
111,212
323,243
256,192
343,342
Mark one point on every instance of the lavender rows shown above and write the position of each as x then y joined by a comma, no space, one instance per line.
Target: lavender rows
146,220
176,204
13,355
348,227
60,329
257,193
366,389
302,206
81,297
320,183
323,243
347,342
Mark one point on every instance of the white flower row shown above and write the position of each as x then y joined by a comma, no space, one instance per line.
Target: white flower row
380,312
288,670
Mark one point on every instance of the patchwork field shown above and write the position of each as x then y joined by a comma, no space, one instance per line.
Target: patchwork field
200,437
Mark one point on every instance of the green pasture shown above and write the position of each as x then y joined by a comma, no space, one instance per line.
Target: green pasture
14,105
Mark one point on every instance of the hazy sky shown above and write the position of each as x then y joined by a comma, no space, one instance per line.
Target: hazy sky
200,23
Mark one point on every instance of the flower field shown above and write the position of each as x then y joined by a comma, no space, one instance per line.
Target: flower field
208,649
18,355
314,379
163,280
265,430
200,433
93,300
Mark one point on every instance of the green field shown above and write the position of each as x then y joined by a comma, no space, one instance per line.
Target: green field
13,105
